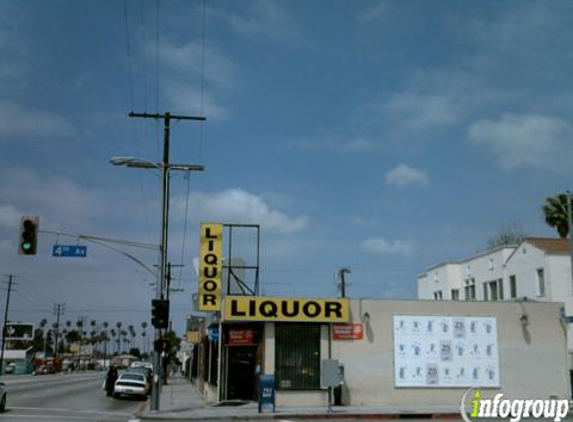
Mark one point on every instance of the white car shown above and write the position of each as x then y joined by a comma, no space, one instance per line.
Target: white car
3,395
131,384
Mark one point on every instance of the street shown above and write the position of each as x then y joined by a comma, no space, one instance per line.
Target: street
65,397
79,397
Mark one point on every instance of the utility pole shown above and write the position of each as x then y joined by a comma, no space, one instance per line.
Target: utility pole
342,285
58,310
570,226
4,325
165,167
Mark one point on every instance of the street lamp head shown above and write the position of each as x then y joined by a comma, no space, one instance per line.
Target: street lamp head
120,161
134,162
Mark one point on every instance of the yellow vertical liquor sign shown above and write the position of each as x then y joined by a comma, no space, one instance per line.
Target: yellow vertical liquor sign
210,267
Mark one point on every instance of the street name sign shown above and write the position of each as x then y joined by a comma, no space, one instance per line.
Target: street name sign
70,251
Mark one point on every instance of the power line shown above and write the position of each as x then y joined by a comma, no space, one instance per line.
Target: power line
132,104
188,177
203,37
143,26
157,55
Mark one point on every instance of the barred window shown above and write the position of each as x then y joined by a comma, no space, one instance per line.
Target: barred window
297,356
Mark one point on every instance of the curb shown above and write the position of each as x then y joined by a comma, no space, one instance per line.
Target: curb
335,415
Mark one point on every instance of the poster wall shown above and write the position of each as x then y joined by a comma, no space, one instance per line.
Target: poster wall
444,351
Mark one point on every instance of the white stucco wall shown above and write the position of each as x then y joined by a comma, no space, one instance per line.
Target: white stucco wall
533,362
442,278
524,264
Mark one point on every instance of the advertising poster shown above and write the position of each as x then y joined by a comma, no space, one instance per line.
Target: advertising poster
444,351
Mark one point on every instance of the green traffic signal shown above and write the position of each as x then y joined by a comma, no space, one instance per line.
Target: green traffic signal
28,235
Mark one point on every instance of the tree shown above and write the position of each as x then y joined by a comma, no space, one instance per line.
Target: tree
134,351
106,337
173,346
144,334
73,336
556,213
113,334
511,234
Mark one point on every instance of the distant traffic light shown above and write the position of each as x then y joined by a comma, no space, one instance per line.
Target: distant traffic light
160,345
28,235
160,313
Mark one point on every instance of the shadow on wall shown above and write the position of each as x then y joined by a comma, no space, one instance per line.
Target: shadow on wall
524,320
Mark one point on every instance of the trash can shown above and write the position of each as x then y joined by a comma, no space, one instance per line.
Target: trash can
266,393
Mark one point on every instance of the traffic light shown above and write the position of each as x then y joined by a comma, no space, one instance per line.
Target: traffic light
28,235
160,313
160,345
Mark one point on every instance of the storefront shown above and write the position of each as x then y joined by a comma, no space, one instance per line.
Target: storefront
395,346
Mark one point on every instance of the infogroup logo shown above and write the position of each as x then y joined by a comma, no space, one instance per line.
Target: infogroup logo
514,409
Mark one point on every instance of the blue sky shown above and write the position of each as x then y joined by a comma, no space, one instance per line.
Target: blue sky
382,136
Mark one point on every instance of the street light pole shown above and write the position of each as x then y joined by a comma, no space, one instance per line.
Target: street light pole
165,167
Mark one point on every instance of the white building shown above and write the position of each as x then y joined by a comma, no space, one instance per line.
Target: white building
538,269
401,353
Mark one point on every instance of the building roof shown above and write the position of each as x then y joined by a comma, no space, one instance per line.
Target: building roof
15,354
549,245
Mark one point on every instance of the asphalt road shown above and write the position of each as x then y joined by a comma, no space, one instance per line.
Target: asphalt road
79,397
65,397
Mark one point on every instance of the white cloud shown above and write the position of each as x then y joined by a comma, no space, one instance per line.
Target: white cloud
183,73
240,206
363,222
376,12
404,175
261,18
424,110
61,203
381,246
7,247
348,145
18,120
9,216
524,140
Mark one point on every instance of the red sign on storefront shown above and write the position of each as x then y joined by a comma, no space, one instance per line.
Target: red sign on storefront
241,337
347,331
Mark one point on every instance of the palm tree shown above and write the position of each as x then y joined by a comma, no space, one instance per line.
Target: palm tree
93,325
144,348
143,334
105,325
118,325
113,334
80,324
131,330
556,213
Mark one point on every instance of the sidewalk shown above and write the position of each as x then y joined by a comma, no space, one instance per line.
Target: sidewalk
181,401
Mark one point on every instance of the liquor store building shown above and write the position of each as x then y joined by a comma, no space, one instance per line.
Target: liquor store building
393,352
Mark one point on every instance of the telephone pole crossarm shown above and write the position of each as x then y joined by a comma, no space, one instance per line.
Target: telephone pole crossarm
163,116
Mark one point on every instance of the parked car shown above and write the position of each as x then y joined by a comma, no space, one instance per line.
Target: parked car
3,396
133,384
10,368
44,369
143,370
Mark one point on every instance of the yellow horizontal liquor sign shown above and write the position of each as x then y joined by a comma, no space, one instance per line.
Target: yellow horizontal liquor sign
246,308
210,265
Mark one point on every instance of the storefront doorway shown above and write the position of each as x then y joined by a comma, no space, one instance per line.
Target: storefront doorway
242,352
